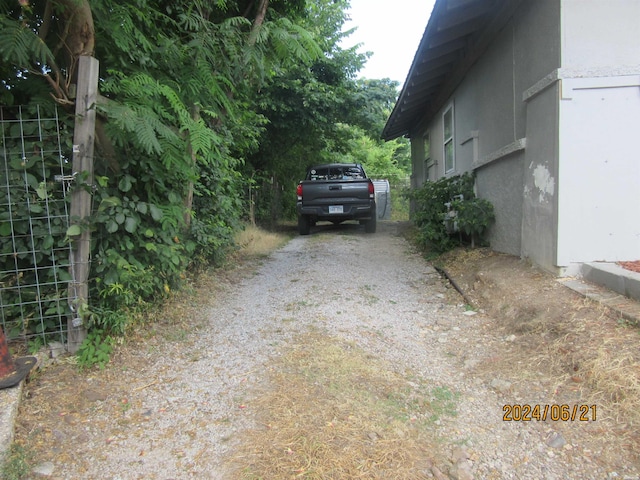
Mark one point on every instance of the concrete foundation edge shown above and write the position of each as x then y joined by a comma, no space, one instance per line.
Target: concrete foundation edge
9,403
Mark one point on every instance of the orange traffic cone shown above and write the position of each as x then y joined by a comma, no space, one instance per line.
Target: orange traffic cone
12,372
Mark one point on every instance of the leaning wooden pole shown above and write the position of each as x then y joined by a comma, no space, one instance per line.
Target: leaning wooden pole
81,196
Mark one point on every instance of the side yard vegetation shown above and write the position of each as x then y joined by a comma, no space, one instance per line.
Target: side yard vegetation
550,342
448,213
209,113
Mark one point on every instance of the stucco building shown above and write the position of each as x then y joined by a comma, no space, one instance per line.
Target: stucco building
541,99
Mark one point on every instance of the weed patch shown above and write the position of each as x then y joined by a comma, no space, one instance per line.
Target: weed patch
17,463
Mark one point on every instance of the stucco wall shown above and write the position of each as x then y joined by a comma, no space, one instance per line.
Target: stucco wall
547,118
600,35
599,115
492,80
417,163
492,117
599,218
491,129
518,137
538,53
506,196
539,231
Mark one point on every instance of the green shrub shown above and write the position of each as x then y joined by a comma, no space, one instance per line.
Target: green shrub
473,216
446,209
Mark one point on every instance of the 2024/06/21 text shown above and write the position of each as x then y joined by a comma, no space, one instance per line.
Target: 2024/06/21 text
553,412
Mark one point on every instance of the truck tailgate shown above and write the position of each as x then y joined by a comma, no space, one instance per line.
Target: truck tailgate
327,192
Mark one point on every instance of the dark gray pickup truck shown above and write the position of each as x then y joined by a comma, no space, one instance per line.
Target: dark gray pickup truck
336,192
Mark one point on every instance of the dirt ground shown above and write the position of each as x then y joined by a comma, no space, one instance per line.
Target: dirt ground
534,326
584,349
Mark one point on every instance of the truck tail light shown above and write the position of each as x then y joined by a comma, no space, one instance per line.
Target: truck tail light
299,191
372,190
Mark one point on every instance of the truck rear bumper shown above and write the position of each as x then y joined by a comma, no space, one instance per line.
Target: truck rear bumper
349,212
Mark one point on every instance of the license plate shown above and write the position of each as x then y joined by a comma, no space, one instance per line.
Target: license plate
336,209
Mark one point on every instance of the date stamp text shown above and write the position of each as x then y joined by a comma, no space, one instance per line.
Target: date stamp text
553,412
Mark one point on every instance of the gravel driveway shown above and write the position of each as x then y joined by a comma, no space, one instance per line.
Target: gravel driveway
185,403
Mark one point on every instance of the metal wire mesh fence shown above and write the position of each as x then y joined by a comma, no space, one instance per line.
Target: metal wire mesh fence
35,173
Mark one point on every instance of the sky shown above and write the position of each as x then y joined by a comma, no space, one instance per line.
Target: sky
391,30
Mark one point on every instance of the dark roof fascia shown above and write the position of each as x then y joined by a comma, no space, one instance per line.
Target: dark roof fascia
505,11
443,58
417,58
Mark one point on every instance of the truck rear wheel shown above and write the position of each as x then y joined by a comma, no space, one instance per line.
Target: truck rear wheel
304,224
370,225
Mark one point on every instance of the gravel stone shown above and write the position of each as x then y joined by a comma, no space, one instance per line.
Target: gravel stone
187,408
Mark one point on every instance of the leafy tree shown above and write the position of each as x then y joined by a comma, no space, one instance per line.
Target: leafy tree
205,106
371,104
321,113
176,79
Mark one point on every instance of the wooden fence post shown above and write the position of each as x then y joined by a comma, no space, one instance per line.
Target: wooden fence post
81,196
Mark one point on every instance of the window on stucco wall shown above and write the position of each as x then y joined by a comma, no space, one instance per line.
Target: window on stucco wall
449,150
428,162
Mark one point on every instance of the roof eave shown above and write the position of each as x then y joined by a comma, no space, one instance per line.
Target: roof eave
457,34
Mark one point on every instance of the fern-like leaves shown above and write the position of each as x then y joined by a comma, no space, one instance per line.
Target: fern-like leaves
21,47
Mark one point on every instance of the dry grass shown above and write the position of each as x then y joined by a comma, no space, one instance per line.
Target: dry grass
332,411
253,241
590,360
586,353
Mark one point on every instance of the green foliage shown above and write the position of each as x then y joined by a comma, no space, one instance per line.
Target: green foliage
34,248
35,345
473,216
444,206
199,106
371,104
179,80
20,44
18,463
95,350
379,158
443,402
319,113
399,201
138,243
